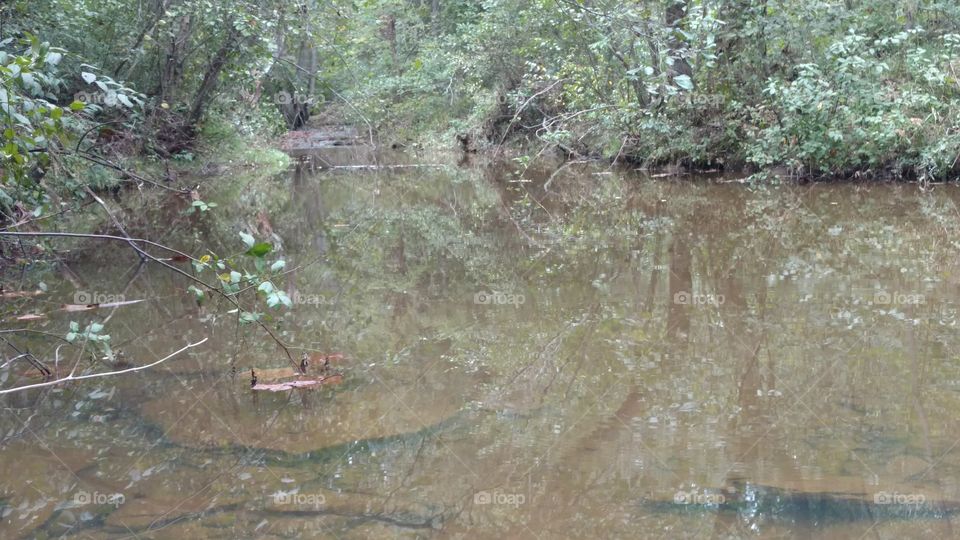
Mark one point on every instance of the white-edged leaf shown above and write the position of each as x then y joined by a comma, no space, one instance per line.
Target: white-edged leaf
248,240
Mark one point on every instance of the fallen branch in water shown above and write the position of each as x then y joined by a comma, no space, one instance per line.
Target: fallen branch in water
72,377
299,383
379,167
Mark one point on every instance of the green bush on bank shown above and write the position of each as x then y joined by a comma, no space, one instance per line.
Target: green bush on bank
875,104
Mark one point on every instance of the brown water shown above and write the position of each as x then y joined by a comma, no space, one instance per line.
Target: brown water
612,357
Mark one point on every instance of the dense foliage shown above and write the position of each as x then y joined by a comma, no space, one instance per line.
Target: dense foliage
802,87
817,87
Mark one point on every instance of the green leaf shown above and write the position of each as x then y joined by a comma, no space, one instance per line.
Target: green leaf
277,266
260,249
196,292
88,77
248,317
683,81
77,106
235,276
266,287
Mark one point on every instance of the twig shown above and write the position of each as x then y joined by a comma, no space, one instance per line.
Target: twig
524,106
72,377
99,237
132,243
116,222
103,162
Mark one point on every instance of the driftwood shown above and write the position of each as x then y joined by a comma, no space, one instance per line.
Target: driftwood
386,167
285,386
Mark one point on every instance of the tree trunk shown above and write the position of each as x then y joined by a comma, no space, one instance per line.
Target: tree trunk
435,16
172,71
677,47
212,75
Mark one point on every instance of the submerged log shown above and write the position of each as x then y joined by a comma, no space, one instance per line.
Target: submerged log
812,504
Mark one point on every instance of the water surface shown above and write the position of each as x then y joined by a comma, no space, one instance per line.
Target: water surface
612,356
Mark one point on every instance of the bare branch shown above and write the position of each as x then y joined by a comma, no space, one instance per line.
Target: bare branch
72,377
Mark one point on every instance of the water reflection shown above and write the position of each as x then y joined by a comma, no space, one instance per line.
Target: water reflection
691,359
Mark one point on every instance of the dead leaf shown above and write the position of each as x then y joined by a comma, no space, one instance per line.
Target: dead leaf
19,294
70,308
274,374
299,383
124,303
321,359
31,317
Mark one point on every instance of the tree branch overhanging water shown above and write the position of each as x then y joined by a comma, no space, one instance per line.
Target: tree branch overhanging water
132,242
72,377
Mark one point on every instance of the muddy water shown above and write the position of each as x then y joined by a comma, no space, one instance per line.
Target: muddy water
588,354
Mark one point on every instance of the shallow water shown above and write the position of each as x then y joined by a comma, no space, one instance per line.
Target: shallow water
613,356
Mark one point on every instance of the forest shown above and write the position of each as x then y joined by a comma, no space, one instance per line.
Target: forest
808,89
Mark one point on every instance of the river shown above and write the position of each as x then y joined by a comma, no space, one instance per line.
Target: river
592,353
